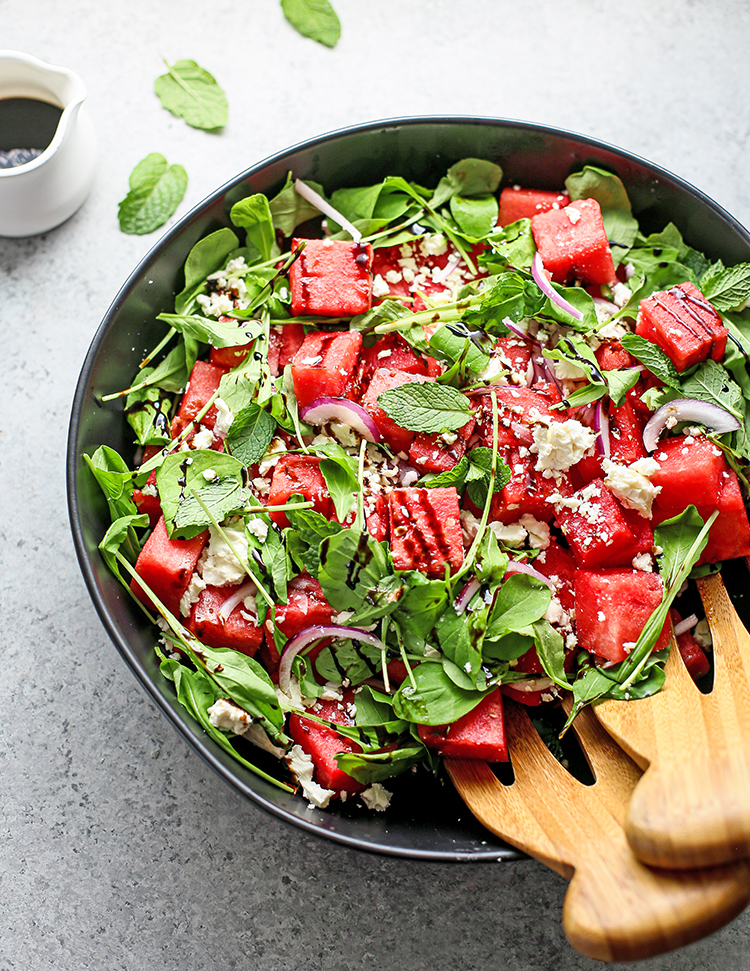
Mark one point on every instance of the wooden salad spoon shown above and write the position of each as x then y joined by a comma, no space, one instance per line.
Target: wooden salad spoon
615,909
692,806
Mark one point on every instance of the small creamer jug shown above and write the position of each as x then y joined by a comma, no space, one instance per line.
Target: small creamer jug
48,145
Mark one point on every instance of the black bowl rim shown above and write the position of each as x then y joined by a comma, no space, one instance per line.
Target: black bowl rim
203,748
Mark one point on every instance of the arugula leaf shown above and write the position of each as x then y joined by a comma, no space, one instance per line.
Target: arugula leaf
521,601
289,209
148,416
461,637
426,407
190,92
253,213
121,536
181,474
342,484
207,256
315,19
620,381
727,289
653,357
607,189
436,700
173,372
474,217
115,480
472,348
550,650
308,529
351,565
420,606
156,189
514,244
469,177
216,332
370,767
251,433
248,685
348,659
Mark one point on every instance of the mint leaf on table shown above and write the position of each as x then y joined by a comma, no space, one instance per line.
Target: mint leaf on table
426,407
156,189
190,92
315,19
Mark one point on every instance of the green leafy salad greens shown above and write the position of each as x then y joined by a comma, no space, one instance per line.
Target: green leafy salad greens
458,637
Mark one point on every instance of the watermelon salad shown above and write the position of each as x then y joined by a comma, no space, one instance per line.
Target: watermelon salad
406,453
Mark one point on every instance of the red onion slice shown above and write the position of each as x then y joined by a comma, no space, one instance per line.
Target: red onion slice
706,413
345,412
601,427
515,566
246,590
518,332
540,278
315,633
464,598
326,208
685,625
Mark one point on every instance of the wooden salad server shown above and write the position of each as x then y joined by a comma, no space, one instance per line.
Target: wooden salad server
616,908
692,806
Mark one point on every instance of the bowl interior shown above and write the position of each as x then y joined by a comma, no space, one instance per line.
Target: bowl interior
427,819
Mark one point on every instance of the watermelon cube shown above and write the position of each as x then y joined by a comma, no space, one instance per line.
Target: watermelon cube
299,475
517,203
167,566
612,356
439,453
331,278
322,743
480,734
306,606
599,530
147,500
204,381
690,471
284,342
425,529
239,630
612,607
730,534
528,491
692,654
384,379
390,351
683,324
325,365
377,518
573,244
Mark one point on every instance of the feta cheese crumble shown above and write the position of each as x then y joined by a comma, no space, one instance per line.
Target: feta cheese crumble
376,797
302,768
631,485
220,566
561,444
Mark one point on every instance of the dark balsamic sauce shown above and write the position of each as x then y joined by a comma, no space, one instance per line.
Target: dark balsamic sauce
27,126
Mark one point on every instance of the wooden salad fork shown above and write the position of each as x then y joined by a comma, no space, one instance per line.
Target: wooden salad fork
616,908
692,806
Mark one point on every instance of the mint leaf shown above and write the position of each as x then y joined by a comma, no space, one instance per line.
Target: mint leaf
315,19
181,475
426,407
219,333
478,475
653,357
250,434
190,92
729,288
156,189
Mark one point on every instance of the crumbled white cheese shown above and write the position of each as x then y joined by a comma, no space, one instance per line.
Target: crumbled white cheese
274,452
573,214
702,634
345,435
209,475
621,293
376,797
433,244
257,528
216,304
194,588
291,700
332,692
630,486
302,769
612,331
561,444
149,489
229,717
538,532
379,287
512,534
567,371
220,566
643,562
202,438
224,418
393,276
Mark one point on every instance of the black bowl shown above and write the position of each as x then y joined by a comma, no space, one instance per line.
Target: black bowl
427,820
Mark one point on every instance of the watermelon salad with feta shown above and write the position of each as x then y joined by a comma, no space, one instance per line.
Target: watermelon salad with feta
404,454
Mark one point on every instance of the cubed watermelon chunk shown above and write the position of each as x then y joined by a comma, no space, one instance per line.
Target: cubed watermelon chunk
239,630
528,492
377,518
425,529
692,654
167,566
392,352
323,743
612,607
729,537
684,325
306,606
299,475
573,244
204,381
690,471
147,500
284,342
439,453
480,734
598,529
325,365
517,203
331,278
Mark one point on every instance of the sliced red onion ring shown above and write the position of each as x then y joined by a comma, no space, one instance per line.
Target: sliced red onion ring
515,566
540,278
706,413
315,633
326,208
464,598
246,590
685,625
518,332
345,412
601,427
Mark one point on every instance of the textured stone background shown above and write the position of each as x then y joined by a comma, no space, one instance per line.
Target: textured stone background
119,848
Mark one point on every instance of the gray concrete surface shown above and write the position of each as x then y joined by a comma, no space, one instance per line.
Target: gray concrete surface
119,848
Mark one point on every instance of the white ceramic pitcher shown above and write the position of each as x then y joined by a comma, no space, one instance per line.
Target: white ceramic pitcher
42,193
